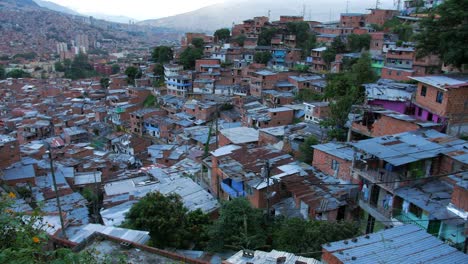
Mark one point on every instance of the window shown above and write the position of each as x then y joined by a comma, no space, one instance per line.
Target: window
423,90
440,97
430,117
334,165
415,210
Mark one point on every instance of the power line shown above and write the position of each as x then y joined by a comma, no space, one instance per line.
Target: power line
384,182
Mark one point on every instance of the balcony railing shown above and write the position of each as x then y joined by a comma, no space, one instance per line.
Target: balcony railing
385,179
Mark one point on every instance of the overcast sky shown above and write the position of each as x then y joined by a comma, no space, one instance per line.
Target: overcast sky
147,9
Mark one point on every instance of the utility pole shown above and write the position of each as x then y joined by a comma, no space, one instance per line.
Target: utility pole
266,174
52,171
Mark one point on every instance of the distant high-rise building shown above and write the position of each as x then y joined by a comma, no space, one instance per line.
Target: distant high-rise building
81,40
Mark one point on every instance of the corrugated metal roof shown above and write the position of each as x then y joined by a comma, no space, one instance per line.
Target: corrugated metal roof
403,244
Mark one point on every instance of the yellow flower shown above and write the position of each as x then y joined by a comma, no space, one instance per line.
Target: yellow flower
9,211
36,239
12,195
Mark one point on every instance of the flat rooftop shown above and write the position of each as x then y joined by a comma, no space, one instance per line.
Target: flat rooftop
240,135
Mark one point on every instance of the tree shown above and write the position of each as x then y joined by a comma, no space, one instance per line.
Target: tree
238,226
158,70
2,72
222,34
115,68
132,74
265,36
168,221
403,30
17,73
189,56
338,45
162,54
198,43
362,71
59,66
262,57
240,40
23,240
357,43
306,237
305,149
445,32
104,83
79,68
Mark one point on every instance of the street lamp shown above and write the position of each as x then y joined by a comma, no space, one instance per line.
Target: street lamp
52,170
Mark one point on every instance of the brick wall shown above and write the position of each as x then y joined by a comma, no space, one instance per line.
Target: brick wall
323,161
395,74
460,197
453,101
385,126
267,139
9,154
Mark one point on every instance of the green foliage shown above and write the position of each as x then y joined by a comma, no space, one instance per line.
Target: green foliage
307,237
2,73
150,101
162,54
307,95
168,221
132,74
239,40
301,68
23,241
377,27
238,226
446,36
262,57
357,43
17,73
198,43
79,68
305,40
59,66
26,56
404,31
104,82
264,38
189,56
115,68
309,44
158,70
344,90
306,150
338,45
222,34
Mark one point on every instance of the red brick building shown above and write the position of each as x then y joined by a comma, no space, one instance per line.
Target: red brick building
443,99
380,16
352,20
334,159
9,151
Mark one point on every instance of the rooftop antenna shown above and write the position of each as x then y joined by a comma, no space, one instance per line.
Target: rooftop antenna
397,4
377,4
303,10
347,6
269,14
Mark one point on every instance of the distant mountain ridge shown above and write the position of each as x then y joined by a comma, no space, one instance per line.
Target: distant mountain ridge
224,14
18,4
56,7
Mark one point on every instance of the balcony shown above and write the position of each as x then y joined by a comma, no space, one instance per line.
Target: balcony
380,214
233,188
385,179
